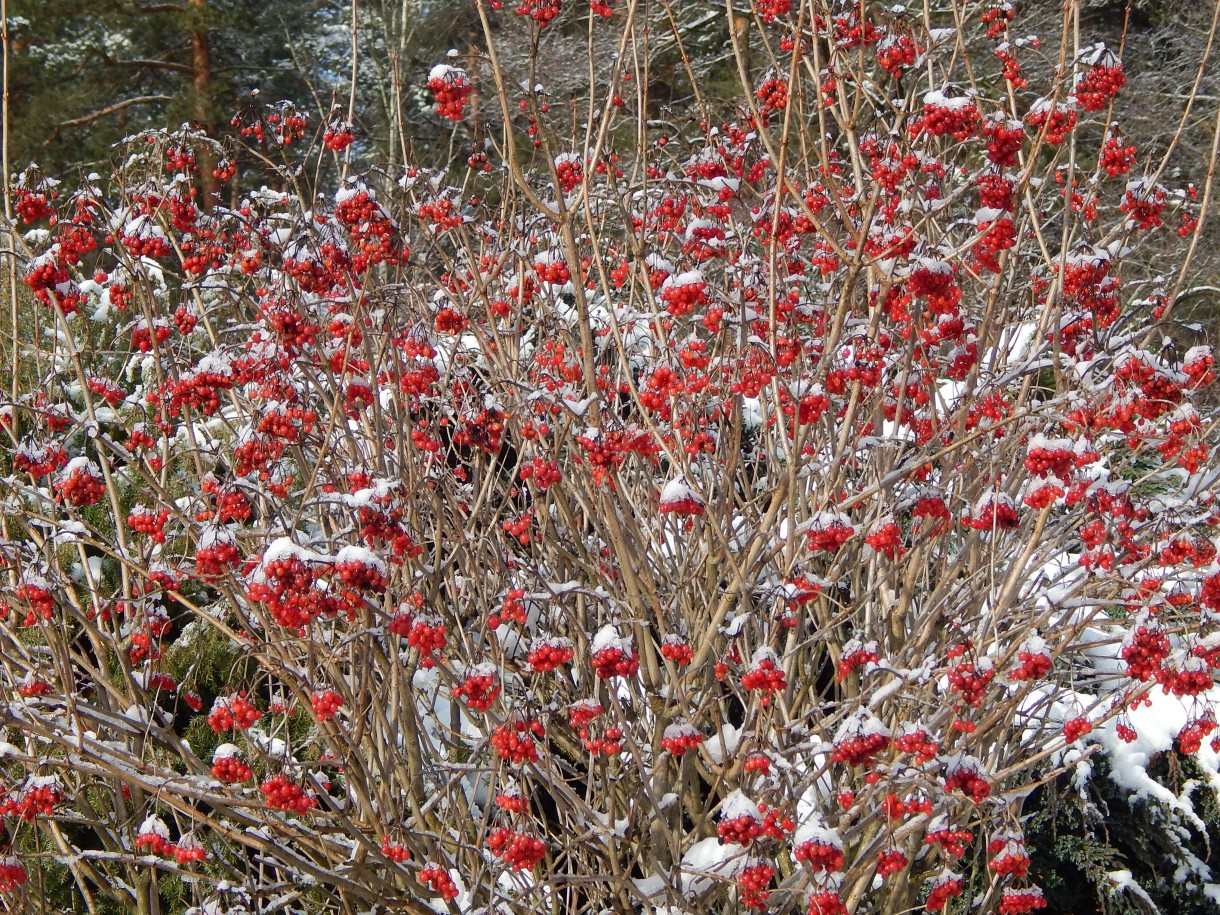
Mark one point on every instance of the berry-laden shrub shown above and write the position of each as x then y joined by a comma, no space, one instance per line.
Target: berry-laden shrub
743,509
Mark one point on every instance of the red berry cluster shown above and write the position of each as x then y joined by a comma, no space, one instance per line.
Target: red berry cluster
512,800
615,662
1011,69
933,515
773,9
919,743
31,205
541,11
233,713
1058,120
1059,459
396,853
826,902
830,537
766,677
996,18
38,799
677,649
957,117
338,135
1144,205
147,522
890,861
143,336
570,172
512,610
581,713
996,235
427,634
189,849
12,874
951,841
850,32
155,837
680,737
1031,666
967,780
996,192
609,744
1090,287
549,652
1018,901
898,808
741,830
886,539
752,884
1191,737
32,687
150,243
52,285
1197,366
440,881
520,852
81,487
361,576
284,794
971,682
1100,83
288,423
897,53
934,281
757,762
230,768
1009,856
450,91
1144,649
1117,157
773,94
39,460
946,886
544,473
682,298
820,856
519,528
512,741
859,750
325,704
478,690
212,561
994,514
197,390
373,232
286,123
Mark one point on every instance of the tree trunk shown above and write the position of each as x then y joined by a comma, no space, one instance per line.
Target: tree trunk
201,63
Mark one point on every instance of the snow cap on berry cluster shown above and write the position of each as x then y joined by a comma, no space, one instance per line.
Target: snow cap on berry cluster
608,637
737,805
678,498
154,826
862,724
815,831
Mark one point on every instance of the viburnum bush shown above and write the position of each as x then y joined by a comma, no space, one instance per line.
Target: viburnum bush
749,510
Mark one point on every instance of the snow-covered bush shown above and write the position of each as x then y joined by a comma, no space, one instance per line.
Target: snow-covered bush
745,511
